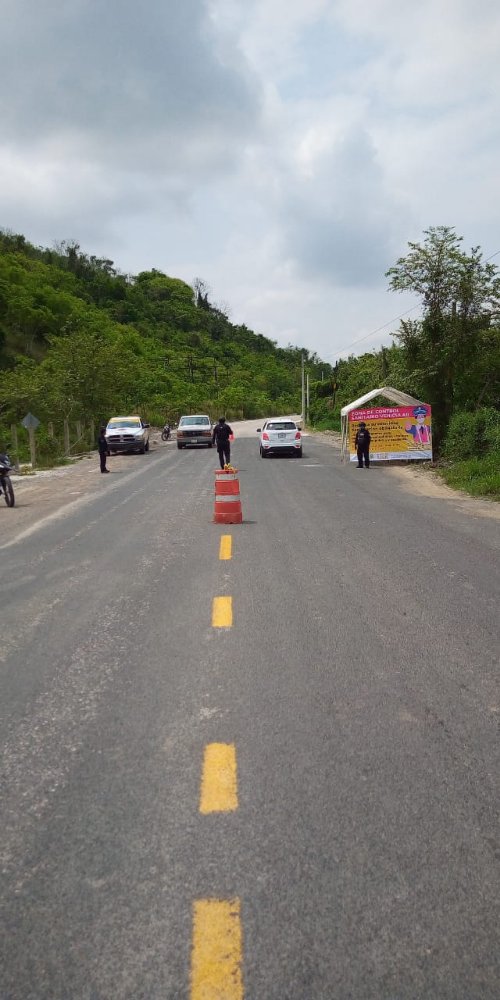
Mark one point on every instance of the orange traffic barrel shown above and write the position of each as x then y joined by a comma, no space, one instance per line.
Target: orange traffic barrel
227,508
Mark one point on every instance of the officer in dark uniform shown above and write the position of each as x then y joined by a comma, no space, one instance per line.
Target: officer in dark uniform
220,437
102,444
362,445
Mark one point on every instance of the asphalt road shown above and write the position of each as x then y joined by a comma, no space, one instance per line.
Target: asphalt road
354,841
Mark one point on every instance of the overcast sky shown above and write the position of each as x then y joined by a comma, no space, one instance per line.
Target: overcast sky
285,151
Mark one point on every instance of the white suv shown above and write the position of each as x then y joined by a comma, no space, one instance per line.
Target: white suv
280,436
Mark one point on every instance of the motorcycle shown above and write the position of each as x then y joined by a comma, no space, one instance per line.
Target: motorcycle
166,433
6,487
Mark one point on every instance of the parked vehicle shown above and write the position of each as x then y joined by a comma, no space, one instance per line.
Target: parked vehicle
194,429
166,433
6,487
127,434
280,437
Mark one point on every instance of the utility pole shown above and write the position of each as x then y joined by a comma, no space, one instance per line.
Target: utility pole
303,414
216,380
307,398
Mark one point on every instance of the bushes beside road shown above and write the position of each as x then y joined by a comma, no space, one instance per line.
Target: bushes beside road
472,451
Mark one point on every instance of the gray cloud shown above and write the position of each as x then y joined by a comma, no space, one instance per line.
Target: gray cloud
141,82
286,151
338,223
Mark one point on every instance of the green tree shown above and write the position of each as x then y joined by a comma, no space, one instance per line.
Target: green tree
460,296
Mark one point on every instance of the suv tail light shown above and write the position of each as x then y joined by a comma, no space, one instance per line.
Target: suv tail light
265,436
297,436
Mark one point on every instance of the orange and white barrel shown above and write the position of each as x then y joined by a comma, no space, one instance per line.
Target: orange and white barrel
227,508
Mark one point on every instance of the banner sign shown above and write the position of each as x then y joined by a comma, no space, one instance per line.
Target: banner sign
397,432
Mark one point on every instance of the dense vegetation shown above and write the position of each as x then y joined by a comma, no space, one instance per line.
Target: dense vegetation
80,341
450,358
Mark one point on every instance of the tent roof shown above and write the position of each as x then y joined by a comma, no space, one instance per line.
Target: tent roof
395,395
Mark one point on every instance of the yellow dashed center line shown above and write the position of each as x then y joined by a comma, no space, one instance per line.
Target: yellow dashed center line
216,952
225,547
219,787
222,612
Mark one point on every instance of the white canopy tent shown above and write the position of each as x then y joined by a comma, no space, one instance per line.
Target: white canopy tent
395,396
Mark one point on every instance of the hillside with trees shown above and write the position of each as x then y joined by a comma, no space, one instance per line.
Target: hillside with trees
80,341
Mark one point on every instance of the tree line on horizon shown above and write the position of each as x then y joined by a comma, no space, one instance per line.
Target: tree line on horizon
450,357
81,341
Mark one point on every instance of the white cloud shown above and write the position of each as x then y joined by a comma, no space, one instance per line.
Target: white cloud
285,150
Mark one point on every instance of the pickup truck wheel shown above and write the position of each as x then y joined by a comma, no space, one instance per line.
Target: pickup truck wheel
146,446
142,450
180,447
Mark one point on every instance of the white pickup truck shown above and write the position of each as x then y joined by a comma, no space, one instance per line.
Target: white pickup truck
127,434
194,430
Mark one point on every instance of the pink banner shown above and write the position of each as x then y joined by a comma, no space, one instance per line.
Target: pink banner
385,412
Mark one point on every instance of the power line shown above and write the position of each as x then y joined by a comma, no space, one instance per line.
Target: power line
385,325
337,354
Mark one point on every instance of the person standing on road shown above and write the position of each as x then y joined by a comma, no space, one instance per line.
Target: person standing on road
220,437
362,445
102,444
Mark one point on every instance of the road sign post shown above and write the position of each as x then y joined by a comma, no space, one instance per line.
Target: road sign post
31,423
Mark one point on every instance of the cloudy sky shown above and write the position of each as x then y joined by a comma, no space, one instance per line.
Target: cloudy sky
285,151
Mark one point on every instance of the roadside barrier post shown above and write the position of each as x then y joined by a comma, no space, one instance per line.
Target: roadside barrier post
66,437
31,435
15,446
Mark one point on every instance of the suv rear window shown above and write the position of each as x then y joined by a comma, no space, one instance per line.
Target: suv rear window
282,425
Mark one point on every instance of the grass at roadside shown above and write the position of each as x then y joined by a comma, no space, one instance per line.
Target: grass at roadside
478,476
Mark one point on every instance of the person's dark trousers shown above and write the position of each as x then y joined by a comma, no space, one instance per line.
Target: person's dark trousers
363,453
102,456
224,454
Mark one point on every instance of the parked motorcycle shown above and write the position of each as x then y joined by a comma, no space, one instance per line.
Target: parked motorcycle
6,487
166,433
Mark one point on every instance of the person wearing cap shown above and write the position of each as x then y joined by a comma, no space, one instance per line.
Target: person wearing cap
220,437
103,447
362,445
420,431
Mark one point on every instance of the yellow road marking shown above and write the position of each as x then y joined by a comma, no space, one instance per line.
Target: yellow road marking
222,612
225,547
217,950
219,787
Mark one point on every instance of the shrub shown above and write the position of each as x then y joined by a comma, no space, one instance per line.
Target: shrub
471,435
477,476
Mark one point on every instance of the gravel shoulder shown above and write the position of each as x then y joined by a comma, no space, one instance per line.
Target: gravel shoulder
49,491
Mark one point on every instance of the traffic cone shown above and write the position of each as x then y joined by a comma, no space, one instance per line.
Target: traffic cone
227,509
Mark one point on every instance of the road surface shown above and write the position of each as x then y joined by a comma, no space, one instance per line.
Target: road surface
295,801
